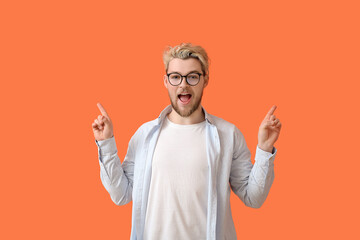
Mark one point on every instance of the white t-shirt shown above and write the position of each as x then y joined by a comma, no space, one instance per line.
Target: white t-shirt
177,202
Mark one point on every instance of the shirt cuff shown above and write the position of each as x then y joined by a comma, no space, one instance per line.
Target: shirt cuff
262,155
107,146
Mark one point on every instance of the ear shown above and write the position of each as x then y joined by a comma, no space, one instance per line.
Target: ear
206,81
165,81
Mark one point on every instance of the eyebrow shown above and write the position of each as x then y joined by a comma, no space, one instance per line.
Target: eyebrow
193,71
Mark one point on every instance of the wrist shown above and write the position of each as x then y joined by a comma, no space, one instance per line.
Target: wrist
266,148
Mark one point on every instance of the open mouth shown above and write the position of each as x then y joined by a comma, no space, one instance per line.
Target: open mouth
184,98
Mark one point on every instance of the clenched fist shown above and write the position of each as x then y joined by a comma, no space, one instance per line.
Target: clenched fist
102,126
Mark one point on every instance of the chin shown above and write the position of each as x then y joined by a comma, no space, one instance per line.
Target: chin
188,110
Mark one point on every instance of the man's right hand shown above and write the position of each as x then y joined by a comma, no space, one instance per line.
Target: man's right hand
102,126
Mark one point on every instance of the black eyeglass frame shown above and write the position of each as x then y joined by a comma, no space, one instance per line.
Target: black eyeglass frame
184,77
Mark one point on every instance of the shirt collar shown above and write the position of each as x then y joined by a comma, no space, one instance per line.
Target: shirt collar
168,109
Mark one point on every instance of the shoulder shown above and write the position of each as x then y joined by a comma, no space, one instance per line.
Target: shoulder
226,128
144,130
222,124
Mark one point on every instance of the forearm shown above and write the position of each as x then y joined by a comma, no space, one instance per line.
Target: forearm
261,178
112,173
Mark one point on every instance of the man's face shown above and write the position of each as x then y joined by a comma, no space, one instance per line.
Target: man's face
182,105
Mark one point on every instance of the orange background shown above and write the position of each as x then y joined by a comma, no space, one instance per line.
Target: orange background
59,58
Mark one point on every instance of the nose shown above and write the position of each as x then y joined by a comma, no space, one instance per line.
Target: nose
183,83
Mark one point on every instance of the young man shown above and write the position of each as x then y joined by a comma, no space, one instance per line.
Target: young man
179,168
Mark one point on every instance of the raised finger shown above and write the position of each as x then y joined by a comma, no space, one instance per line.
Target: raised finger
272,118
102,110
272,110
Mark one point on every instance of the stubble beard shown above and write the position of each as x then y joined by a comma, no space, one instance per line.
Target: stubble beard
188,113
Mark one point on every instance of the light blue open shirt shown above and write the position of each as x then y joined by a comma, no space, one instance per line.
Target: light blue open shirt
228,159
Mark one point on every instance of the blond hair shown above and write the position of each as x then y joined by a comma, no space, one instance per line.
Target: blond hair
185,51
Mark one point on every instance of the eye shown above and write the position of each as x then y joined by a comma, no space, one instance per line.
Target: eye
193,76
174,76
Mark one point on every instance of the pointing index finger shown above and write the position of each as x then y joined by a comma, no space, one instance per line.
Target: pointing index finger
272,110
102,110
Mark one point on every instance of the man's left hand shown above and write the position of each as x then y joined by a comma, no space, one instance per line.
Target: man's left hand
269,131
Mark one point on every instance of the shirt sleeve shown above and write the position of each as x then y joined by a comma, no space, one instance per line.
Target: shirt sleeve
251,183
117,178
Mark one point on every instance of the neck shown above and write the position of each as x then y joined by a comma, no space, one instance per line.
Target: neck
196,117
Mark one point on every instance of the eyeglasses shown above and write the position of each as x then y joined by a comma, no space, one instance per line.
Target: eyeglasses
192,79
